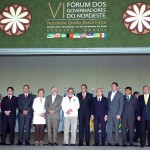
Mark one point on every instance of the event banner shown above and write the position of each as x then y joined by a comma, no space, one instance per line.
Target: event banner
74,23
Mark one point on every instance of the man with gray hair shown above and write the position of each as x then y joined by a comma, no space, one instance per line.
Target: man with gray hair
53,106
144,115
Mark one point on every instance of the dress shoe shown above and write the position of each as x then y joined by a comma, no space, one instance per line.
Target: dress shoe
109,144
3,143
50,144
27,143
55,144
131,144
65,145
142,145
80,144
124,145
117,144
103,144
73,145
19,143
87,144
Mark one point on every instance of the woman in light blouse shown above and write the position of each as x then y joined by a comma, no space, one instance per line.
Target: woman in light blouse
39,117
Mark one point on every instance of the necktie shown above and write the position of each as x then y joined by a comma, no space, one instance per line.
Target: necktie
69,98
146,99
83,96
128,98
9,98
26,96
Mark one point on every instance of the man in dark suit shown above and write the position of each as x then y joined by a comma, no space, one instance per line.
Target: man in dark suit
128,116
115,107
144,115
99,113
84,114
25,115
8,106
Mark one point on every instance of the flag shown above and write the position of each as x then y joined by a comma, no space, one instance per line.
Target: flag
76,35
89,35
50,35
83,35
96,35
63,35
70,35
56,35
103,35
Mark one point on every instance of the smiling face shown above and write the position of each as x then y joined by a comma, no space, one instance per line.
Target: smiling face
54,91
83,89
114,87
99,92
70,92
26,89
10,91
146,90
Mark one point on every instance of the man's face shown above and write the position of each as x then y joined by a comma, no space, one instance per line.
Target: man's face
54,91
83,89
137,95
99,92
146,90
128,92
70,93
114,87
10,92
26,89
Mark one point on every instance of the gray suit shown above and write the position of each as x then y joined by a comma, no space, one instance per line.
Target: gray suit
52,121
115,107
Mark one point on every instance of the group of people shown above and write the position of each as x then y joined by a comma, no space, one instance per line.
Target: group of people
106,112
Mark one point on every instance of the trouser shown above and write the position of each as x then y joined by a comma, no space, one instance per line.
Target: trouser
103,131
8,124
127,126
112,123
52,128
70,122
84,128
24,121
138,129
145,124
0,123
39,132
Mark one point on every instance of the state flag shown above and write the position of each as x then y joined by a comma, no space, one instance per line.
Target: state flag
103,35
71,35
50,35
56,35
89,35
76,35
63,35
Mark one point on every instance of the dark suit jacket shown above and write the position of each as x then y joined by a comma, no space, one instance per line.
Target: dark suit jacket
129,108
116,105
25,103
99,109
9,105
143,110
85,105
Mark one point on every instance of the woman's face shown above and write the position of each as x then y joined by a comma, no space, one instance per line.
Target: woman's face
41,94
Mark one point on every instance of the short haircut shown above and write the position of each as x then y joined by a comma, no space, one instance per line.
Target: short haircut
115,84
145,86
84,85
136,92
70,89
41,89
99,89
26,85
54,87
10,87
128,88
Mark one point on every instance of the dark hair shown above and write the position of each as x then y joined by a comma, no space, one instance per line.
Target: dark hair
84,85
41,89
26,85
128,88
136,92
70,89
10,87
115,84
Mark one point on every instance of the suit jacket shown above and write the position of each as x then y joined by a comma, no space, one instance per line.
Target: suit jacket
115,107
55,106
85,105
25,103
9,105
129,108
143,110
99,109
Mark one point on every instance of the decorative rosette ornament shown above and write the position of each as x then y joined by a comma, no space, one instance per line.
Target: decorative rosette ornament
15,20
136,18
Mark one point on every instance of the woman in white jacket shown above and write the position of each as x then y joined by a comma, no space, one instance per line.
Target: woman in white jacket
39,117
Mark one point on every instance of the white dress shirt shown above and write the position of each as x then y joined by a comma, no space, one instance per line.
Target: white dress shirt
53,98
113,94
38,108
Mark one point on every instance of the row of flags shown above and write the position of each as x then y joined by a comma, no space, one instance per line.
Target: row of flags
76,35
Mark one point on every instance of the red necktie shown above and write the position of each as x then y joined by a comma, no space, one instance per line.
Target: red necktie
69,98
9,98
83,96
26,96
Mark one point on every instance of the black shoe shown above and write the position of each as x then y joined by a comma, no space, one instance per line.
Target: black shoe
19,143
80,144
3,143
50,144
109,144
142,145
65,145
124,145
12,144
131,144
96,144
87,144
103,144
135,140
117,144
27,143
55,144
73,144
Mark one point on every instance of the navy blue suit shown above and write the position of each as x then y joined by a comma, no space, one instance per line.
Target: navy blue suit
8,122
144,113
99,110
25,104
84,113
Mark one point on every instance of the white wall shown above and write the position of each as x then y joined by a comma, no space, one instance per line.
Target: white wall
66,71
